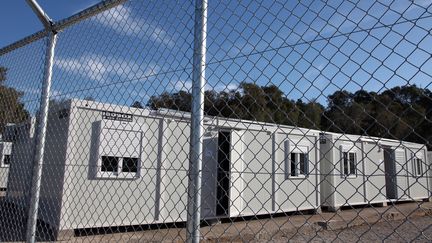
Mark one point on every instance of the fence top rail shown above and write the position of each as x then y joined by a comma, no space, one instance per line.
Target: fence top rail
62,24
25,41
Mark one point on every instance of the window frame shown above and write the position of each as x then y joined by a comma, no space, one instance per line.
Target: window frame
298,149
416,164
119,126
5,150
348,150
3,164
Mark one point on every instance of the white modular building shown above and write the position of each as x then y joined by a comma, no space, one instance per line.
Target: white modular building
406,169
107,165
21,138
363,170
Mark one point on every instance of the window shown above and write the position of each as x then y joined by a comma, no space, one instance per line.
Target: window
110,164
349,163
298,164
6,160
130,165
296,160
119,152
5,154
113,164
417,166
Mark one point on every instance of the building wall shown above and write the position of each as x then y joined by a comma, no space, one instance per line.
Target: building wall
374,167
429,159
295,193
5,149
418,186
117,201
175,164
256,175
52,180
337,189
20,170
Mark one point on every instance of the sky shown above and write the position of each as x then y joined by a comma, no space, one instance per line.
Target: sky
309,49
25,21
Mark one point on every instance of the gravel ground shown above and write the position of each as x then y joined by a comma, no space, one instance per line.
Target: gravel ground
414,229
398,223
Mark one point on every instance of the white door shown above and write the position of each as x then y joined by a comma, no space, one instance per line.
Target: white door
401,173
209,176
236,178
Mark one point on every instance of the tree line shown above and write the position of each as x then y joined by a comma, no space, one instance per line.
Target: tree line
12,110
402,112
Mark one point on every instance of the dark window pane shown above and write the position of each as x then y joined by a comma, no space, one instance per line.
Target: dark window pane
302,164
345,163
6,159
130,165
293,164
419,167
109,163
352,159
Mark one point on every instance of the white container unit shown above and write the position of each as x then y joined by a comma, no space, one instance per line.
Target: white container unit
406,170
108,165
5,159
21,136
261,169
363,170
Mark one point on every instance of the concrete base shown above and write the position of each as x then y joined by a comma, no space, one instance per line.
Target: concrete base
332,209
382,204
335,209
317,211
427,199
65,235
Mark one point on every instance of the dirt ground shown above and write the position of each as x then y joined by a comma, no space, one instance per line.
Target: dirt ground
402,222
397,223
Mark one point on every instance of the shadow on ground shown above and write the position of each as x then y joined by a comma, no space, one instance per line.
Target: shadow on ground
13,223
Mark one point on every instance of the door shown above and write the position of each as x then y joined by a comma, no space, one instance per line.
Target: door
223,174
390,174
209,176
401,173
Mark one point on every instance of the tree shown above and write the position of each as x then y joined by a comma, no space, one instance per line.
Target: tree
89,98
309,114
11,108
137,104
403,112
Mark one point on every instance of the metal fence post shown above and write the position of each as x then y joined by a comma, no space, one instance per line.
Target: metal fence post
40,143
195,165
41,122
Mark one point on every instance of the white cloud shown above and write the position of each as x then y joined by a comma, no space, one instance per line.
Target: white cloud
187,86
226,87
120,20
183,85
100,68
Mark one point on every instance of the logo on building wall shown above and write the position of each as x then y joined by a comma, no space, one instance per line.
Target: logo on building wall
117,116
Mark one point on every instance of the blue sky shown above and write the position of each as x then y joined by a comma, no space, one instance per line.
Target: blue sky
309,48
18,20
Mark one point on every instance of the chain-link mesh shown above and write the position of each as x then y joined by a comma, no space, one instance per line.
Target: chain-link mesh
316,125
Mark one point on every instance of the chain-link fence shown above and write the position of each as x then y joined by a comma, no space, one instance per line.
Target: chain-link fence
137,121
